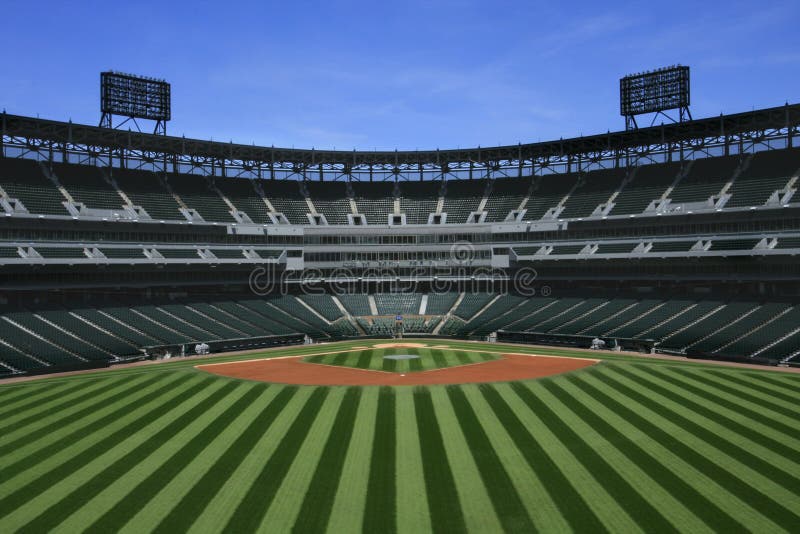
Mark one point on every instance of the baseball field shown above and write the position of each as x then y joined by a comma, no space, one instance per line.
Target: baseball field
280,441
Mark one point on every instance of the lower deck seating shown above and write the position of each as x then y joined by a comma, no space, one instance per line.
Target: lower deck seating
66,335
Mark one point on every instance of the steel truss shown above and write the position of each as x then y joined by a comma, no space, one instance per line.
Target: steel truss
771,128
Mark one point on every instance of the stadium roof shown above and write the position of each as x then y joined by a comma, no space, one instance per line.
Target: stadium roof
752,126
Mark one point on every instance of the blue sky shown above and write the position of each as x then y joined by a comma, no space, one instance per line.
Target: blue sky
407,75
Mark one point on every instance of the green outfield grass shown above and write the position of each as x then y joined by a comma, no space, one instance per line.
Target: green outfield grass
428,358
633,444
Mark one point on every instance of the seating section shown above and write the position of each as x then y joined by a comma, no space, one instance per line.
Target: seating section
324,305
461,198
162,195
763,333
375,200
179,253
734,244
356,304
648,183
61,252
418,200
286,198
330,199
24,180
614,248
243,195
440,303
788,242
671,246
472,303
595,188
398,303
228,253
768,172
146,189
117,330
548,192
706,177
86,184
567,249
506,196
123,253
197,193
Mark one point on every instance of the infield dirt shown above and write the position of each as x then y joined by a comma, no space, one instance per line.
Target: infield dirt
294,370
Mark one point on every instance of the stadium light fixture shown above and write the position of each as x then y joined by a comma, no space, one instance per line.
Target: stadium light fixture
655,91
135,97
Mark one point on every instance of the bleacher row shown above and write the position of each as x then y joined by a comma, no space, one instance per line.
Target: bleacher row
157,253
714,183
31,252
113,331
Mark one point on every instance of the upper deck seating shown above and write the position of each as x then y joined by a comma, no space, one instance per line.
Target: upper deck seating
649,183
548,192
462,198
24,180
145,189
330,199
375,200
506,196
595,188
86,184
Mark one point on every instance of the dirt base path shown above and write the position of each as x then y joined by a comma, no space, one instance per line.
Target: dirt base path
293,370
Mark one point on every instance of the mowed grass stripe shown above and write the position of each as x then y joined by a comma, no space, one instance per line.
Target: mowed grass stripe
416,365
752,466
748,497
777,382
195,501
252,508
59,441
220,510
363,359
165,405
318,500
114,468
284,509
440,358
19,398
376,359
62,416
504,496
612,516
380,509
349,504
17,419
724,410
166,497
412,498
446,514
476,505
389,365
169,467
767,401
567,499
642,511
